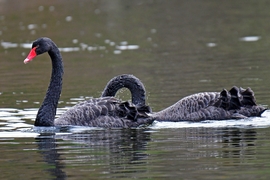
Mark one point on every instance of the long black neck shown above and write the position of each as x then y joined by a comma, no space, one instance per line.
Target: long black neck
47,111
135,86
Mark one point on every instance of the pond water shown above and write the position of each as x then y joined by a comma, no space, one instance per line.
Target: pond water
176,48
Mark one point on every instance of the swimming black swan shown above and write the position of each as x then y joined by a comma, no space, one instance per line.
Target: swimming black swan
96,112
237,103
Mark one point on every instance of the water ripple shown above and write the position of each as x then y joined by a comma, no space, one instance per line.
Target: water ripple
15,119
258,122
250,38
82,46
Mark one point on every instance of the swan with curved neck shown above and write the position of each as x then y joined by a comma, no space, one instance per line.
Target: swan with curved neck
238,103
96,112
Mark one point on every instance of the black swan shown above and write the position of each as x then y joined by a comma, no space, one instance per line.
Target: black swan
97,112
238,103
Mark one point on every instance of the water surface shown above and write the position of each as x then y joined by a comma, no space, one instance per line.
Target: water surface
176,48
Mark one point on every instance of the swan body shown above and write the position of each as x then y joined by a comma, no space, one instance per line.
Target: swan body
104,112
97,112
238,103
108,111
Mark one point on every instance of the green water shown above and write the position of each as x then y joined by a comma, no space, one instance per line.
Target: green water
175,47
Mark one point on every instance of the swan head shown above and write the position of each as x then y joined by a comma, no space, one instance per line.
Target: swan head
39,46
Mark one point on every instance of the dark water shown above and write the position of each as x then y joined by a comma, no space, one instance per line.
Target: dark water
175,47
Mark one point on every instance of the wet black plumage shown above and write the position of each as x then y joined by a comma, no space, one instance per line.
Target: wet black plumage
97,112
237,103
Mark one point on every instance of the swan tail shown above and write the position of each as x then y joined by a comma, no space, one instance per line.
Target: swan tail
237,103
240,101
224,100
236,98
248,97
253,111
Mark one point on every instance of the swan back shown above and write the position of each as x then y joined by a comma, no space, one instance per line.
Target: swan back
105,112
234,104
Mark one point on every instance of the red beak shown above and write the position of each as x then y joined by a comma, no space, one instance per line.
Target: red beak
31,55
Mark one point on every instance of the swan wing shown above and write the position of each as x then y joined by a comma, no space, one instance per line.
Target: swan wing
234,104
104,112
